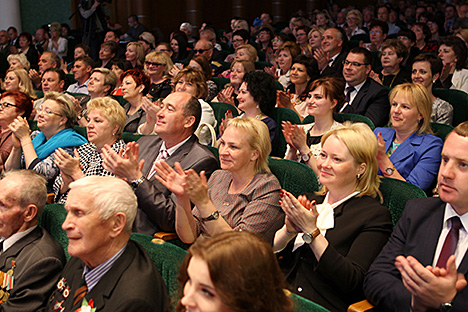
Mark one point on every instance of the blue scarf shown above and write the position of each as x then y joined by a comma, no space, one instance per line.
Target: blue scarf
63,138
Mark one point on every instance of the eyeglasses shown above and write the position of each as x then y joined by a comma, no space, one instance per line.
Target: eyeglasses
148,63
263,33
47,111
351,18
353,64
200,51
375,32
237,40
5,105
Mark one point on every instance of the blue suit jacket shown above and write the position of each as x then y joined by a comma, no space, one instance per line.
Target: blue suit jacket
417,159
416,234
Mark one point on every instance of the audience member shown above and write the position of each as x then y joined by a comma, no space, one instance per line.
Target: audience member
364,96
426,69
135,54
107,271
330,57
81,72
135,87
31,259
408,150
417,269
57,44
243,196
326,249
453,53
178,117
157,66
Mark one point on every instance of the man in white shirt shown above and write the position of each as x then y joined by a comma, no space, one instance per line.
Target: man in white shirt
81,72
424,264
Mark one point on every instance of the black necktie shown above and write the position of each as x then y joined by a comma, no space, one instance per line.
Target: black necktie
348,94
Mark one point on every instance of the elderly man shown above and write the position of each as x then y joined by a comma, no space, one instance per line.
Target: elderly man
330,57
30,257
107,271
205,47
47,60
5,46
178,117
364,96
424,264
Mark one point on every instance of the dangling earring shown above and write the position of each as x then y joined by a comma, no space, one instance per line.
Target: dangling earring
358,176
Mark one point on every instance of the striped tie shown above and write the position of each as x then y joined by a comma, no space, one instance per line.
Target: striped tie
80,293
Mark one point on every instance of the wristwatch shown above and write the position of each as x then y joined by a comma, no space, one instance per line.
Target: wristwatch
306,157
136,183
445,307
213,216
308,238
389,171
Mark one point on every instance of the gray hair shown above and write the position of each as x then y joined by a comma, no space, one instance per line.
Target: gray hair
33,190
188,25
110,196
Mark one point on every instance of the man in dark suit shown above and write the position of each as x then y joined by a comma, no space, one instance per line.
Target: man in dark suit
330,57
364,96
29,255
107,271
178,117
417,269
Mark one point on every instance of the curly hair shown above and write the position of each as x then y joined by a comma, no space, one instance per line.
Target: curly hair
262,87
140,78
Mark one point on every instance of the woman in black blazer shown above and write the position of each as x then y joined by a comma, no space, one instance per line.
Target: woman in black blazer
329,240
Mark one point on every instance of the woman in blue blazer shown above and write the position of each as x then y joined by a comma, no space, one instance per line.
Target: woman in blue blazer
408,150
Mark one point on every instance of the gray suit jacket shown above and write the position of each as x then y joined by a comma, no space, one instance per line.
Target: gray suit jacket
39,260
156,204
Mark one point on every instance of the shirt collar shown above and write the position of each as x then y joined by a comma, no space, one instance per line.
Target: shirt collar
10,241
171,150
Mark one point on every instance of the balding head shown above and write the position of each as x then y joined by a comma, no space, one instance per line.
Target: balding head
204,47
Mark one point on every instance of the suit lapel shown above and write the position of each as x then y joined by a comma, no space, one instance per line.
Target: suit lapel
360,95
406,149
181,152
151,154
431,237
14,250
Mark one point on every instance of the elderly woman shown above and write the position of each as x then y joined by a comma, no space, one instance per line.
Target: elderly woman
214,265
157,66
453,53
354,21
408,150
56,119
242,196
135,54
426,69
329,240
106,120
18,80
12,105
17,61
246,52
392,74
231,90
326,96
28,49
135,86
192,81
315,38
304,71
57,43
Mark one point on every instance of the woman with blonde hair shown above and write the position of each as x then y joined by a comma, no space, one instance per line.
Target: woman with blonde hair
231,90
246,52
18,61
57,43
135,54
243,195
214,264
330,239
106,121
408,150
18,80
315,38
354,21
157,66
35,151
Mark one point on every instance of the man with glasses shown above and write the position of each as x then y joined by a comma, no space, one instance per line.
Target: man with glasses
330,57
205,48
363,95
